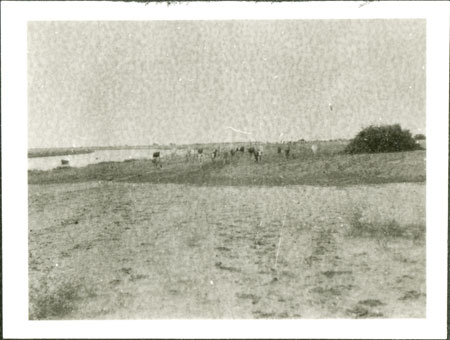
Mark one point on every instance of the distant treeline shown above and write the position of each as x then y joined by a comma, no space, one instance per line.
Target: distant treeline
57,152
49,152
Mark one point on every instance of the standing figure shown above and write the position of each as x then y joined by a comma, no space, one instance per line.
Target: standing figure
200,155
214,154
258,155
225,157
251,151
157,159
188,155
287,152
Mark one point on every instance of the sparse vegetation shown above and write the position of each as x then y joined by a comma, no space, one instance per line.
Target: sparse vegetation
181,251
384,230
385,138
50,300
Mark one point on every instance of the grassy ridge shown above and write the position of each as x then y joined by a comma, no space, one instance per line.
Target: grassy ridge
330,168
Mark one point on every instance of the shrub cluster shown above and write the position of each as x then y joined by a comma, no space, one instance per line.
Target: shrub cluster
385,138
389,229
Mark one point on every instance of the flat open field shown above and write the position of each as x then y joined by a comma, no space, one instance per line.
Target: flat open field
313,236
105,250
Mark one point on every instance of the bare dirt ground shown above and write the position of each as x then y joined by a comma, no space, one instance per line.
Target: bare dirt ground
111,250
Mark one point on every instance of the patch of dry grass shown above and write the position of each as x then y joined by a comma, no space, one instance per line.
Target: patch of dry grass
384,230
50,300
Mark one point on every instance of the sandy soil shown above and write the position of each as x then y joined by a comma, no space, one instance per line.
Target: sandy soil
106,250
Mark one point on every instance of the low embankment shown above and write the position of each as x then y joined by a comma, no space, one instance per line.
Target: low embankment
327,169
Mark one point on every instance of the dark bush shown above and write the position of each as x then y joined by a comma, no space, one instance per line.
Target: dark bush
385,138
419,137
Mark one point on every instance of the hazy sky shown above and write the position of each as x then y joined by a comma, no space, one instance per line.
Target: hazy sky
136,83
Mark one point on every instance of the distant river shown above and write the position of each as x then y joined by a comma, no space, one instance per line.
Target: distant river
48,163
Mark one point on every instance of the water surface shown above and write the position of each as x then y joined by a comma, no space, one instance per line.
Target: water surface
98,156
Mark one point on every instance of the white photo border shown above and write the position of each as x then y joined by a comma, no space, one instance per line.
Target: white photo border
15,15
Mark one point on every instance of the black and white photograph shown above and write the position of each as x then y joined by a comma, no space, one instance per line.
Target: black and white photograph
245,169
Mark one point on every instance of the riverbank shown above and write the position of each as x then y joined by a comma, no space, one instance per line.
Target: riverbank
333,169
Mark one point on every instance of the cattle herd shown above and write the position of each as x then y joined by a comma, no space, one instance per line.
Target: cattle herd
218,154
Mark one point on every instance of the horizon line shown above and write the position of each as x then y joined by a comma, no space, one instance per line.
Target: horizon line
183,144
